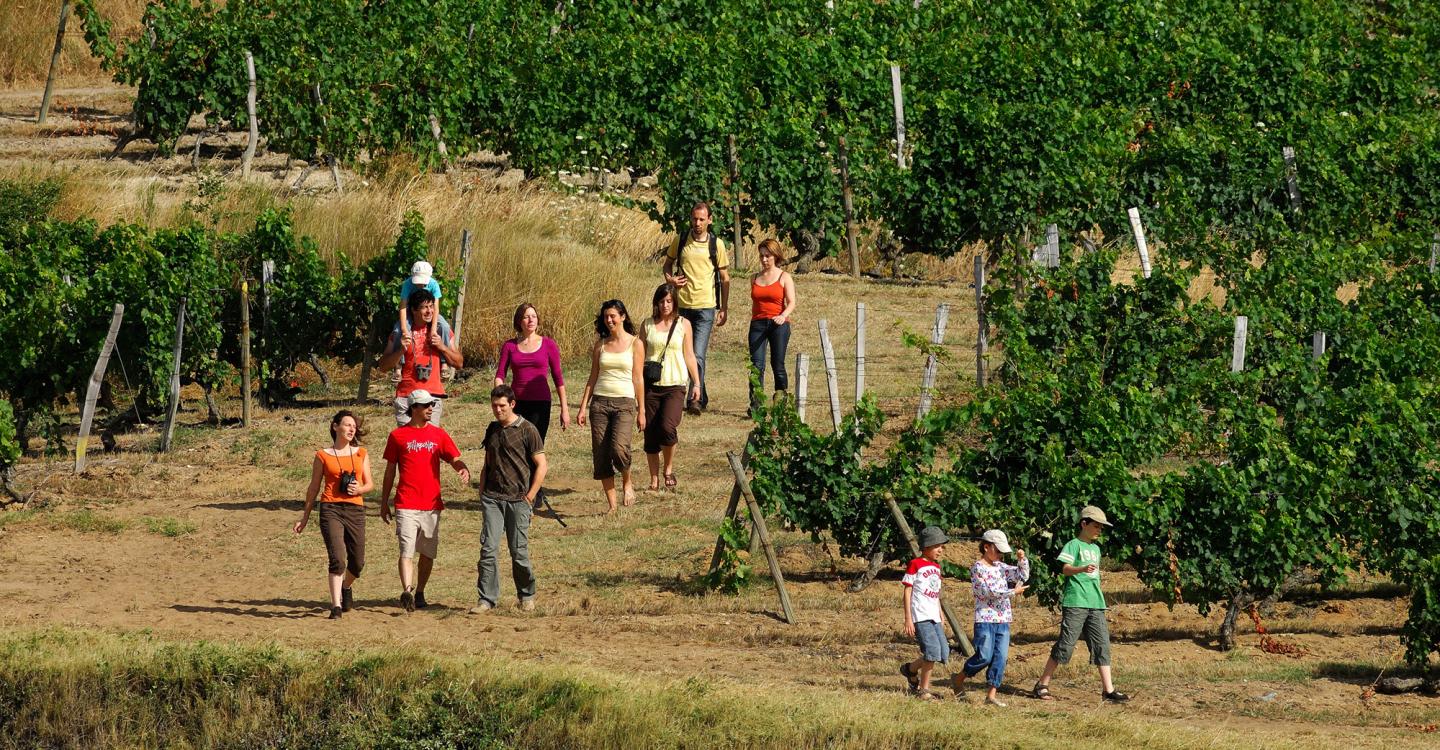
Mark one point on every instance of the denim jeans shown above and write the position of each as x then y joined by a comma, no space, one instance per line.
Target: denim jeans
765,334
992,648
511,519
702,322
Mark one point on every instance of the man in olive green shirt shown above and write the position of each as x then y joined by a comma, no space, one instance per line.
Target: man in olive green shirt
697,265
1082,608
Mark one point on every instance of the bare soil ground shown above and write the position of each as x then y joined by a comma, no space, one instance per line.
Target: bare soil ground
620,594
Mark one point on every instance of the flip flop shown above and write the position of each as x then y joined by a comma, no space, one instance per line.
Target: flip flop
670,481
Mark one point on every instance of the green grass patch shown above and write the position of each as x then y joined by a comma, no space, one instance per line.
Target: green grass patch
85,521
169,526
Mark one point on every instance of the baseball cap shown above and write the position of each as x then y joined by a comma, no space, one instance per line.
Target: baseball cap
420,273
1093,513
931,536
420,397
997,538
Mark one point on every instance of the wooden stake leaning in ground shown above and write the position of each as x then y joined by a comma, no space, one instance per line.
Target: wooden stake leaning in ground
249,155
92,391
757,517
464,277
1139,231
54,63
932,362
859,351
847,202
1237,353
244,352
909,535
802,384
169,435
831,376
982,335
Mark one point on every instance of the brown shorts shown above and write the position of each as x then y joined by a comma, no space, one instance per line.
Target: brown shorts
342,526
664,405
612,422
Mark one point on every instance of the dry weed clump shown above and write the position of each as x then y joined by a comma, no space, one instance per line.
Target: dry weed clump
564,253
27,36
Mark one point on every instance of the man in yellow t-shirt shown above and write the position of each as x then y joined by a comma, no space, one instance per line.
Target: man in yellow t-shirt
701,302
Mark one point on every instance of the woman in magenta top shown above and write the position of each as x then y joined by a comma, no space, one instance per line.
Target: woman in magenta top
533,359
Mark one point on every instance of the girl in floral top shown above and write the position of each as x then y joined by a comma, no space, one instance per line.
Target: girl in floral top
992,581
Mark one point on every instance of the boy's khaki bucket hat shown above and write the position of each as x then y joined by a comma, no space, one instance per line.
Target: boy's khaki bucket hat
1093,513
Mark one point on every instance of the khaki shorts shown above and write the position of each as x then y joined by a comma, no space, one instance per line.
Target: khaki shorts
402,411
418,531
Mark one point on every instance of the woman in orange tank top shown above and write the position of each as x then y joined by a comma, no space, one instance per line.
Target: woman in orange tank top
340,477
772,300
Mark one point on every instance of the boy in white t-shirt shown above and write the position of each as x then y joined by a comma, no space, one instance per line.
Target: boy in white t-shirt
922,612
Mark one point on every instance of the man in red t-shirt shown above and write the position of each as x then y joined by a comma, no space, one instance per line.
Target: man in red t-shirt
416,451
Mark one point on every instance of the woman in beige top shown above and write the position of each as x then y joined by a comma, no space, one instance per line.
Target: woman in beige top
612,396
669,342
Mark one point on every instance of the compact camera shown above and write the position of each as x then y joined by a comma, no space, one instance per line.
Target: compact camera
422,372
347,481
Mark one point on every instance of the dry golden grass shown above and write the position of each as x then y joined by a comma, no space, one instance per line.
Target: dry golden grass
27,37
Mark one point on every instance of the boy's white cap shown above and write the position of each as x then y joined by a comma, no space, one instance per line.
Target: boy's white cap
1092,513
997,538
420,273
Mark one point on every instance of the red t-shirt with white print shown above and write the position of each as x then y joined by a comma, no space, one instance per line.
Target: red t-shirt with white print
923,577
417,453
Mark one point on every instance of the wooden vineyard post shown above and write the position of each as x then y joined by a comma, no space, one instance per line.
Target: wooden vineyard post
1139,231
802,384
439,143
174,407
54,66
1237,353
909,535
464,279
249,154
859,351
847,202
1292,178
1434,250
92,391
244,352
730,509
932,362
325,124
732,163
982,335
1052,246
267,275
1317,345
362,396
831,377
758,518
899,97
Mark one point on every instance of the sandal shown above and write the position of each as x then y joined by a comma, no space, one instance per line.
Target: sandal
1041,693
670,481
910,676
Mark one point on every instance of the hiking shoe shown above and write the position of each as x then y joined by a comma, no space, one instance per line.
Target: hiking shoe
420,602
1115,696
407,600
334,613
347,600
527,605
693,410
481,608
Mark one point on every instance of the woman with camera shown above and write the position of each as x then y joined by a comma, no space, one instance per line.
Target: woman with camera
340,476
612,395
669,365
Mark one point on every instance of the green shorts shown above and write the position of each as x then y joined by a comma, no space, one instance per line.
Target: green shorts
1090,623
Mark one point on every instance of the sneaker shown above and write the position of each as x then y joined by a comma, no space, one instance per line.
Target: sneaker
527,605
407,600
334,613
692,409
420,602
481,608
347,600
993,702
1115,696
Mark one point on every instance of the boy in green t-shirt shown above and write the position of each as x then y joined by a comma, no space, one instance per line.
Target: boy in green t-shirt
1082,608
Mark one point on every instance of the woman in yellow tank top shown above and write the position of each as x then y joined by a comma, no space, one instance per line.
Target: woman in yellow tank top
612,396
668,341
